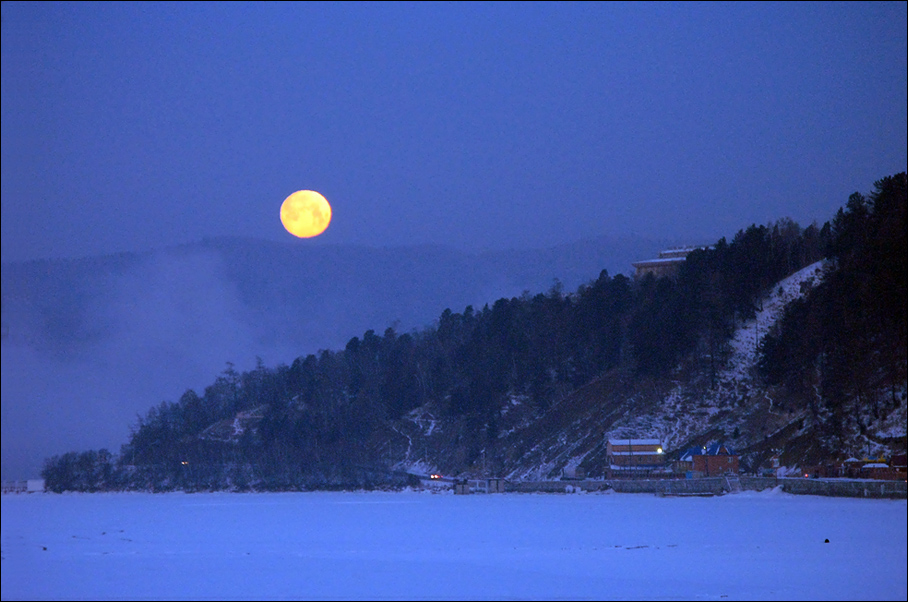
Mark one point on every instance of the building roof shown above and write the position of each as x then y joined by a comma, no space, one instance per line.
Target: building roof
668,256
689,454
713,449
719,449
680,252
657,262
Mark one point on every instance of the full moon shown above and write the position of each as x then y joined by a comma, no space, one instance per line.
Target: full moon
305,213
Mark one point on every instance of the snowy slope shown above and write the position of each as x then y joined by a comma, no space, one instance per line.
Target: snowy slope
686,411
748,337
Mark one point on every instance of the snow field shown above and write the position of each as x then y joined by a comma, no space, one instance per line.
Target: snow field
416,545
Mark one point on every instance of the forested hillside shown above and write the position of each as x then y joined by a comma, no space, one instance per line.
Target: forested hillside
841,349
482,389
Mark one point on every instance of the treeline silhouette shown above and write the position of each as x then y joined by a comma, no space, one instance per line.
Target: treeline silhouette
315,423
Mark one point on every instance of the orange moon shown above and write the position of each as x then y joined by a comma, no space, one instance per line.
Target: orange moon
305,213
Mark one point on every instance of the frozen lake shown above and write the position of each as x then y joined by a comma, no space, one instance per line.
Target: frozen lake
419,545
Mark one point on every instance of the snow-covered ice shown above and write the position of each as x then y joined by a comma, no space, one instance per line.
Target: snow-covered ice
417,545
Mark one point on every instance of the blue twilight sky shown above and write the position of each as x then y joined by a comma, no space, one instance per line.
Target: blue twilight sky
128,126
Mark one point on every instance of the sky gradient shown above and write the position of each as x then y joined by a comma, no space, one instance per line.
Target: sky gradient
129,126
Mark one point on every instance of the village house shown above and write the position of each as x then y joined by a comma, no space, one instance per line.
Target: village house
27,486
490,485
714,460
875,468
572,473
634,457
851,468
882,470
666,265
685,462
